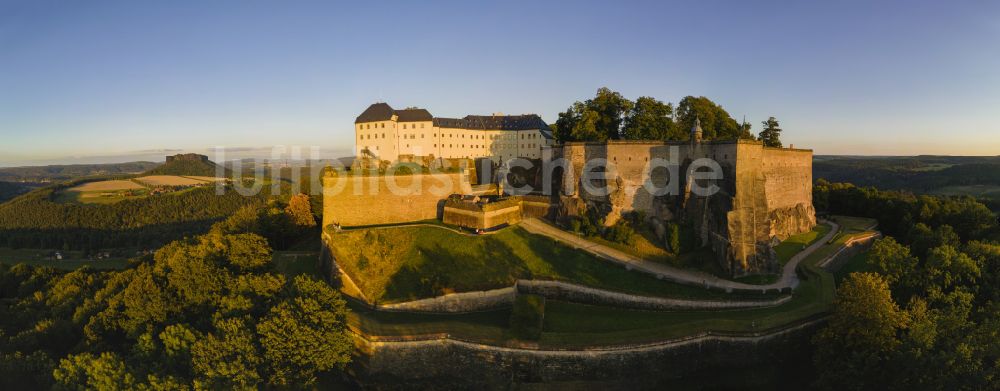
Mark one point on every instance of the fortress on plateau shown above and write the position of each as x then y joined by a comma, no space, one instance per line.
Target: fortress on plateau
762,196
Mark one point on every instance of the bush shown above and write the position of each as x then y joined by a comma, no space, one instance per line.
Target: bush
574,225
622,232
527,316
674,237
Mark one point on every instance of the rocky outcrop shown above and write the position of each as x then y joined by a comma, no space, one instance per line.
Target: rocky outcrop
763,197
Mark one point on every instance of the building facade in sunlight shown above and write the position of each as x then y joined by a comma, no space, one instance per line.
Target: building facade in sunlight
388,134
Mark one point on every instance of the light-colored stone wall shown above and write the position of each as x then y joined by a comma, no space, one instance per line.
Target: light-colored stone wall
358,200
480,219
765,193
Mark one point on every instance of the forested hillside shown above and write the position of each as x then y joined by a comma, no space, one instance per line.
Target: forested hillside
210,312
9,190
34,220
59,173
921,312
917,173
187,168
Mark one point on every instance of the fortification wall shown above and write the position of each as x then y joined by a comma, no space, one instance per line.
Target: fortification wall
775,359
764,194
372,200
480,219
788,177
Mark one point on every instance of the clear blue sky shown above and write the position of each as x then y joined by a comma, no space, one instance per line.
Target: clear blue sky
104,80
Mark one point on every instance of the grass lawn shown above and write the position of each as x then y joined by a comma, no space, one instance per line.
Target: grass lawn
72,259
570,325
645,247
857,264
853,224
407,263
795,244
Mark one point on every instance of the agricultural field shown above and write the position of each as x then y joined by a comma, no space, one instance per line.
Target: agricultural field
113,185
394,264
170,180
112,191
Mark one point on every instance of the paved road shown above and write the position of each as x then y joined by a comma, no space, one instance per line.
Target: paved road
690,277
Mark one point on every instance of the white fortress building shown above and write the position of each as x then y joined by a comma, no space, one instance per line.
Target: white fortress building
385,133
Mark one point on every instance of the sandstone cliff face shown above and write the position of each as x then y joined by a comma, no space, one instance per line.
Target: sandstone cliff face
764,196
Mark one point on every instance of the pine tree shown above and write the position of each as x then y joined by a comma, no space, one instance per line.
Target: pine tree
771,135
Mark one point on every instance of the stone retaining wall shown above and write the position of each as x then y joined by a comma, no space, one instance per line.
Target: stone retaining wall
457,302
558,290
442,362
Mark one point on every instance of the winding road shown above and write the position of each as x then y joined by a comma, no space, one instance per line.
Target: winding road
788,277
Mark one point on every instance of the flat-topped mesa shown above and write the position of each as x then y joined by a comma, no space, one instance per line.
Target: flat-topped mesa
188,157
386,134
764,195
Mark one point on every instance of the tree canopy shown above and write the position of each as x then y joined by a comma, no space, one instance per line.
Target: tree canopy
611,116
771,134
945,337
209,311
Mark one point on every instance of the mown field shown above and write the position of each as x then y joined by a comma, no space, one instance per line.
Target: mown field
795,244
393,264
116,190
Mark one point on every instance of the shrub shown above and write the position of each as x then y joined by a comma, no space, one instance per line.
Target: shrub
527,316
674,237
622,232
574,225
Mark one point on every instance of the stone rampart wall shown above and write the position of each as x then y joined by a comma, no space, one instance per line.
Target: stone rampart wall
457,302
373,200
557,290
442,362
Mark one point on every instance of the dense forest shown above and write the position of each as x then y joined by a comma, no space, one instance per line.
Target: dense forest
59,173
35,220
9,190
208,312
611,116
917,173
924,313
188,168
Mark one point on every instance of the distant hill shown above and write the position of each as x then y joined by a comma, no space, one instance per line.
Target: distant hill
9,190
187,165
976,176
59,173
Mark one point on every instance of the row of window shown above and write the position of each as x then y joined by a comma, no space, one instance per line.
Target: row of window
414,136
382,125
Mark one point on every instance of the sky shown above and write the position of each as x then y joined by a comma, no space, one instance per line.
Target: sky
107,81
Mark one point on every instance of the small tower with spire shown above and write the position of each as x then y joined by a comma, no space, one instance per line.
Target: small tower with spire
696,131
